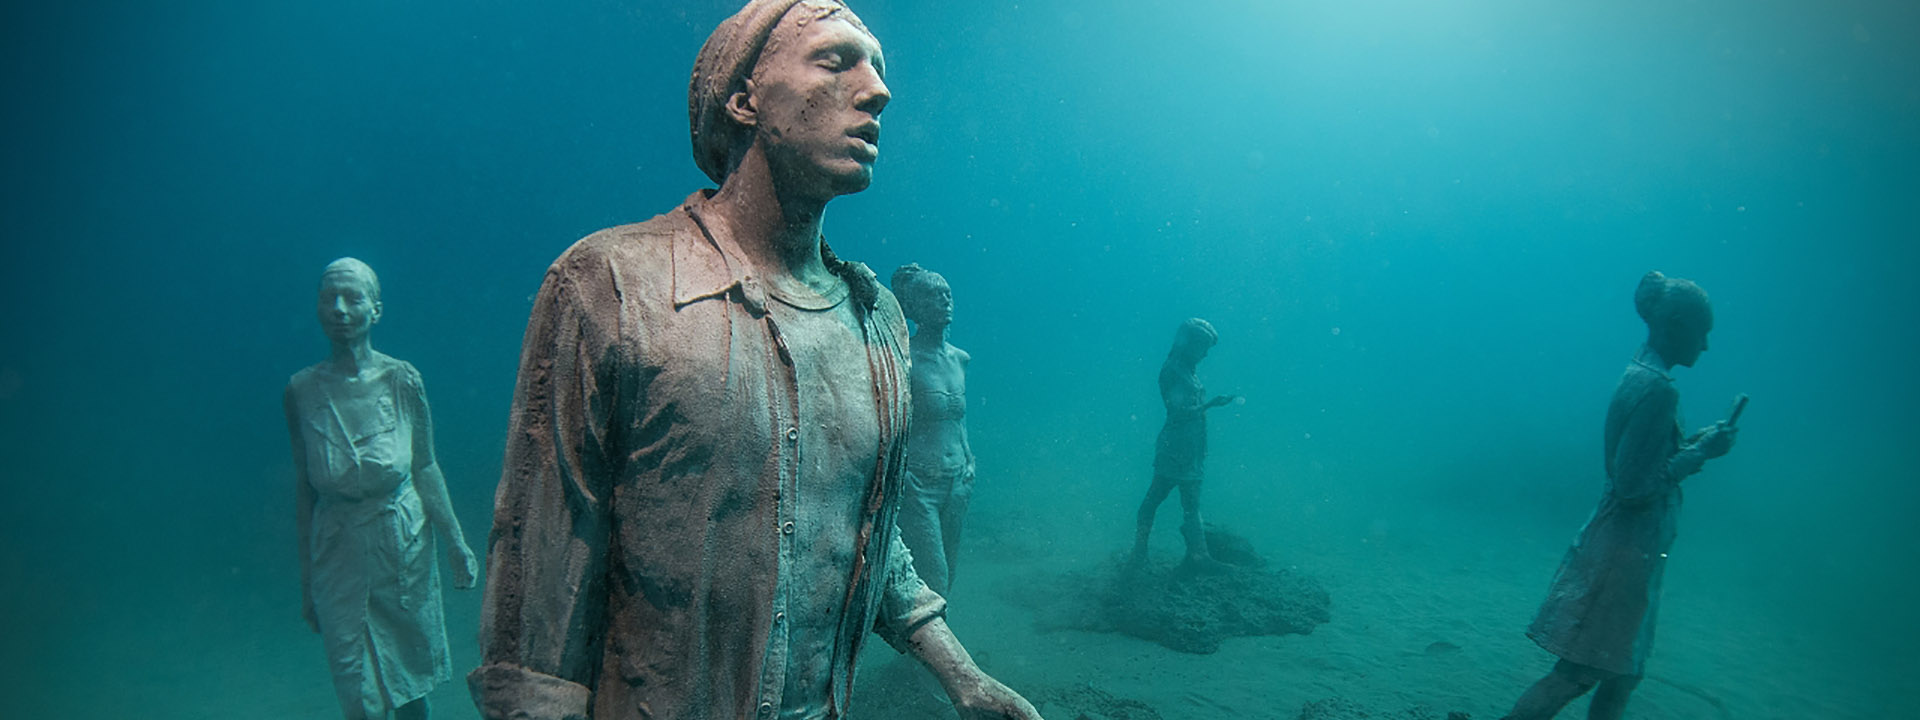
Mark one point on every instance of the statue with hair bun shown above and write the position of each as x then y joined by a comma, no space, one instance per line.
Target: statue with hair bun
1598,617
369,496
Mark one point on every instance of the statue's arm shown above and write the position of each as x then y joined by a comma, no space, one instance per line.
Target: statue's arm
913,620
303,499
542,619
1183,395
1178,393
975,694
432,484
1644,461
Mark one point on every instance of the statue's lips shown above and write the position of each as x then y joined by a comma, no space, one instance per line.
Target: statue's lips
866,140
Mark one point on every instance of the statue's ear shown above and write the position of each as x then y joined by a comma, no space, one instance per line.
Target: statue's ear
740,107
379,309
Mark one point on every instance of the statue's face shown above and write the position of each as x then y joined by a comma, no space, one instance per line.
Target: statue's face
347,308
817,97
931,303
1686,339
1681,334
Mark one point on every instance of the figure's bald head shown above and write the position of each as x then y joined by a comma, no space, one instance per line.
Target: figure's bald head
356,269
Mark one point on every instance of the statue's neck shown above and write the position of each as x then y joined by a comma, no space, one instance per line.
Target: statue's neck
351,357
1650,357
930,337
776,229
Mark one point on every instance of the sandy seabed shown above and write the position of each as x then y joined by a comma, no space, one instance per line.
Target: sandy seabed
1421,616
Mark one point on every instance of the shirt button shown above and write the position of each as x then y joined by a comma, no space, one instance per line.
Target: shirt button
766,708
787,527
793,433
779,616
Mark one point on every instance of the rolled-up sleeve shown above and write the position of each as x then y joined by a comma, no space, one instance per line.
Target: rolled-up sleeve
544,610
906,603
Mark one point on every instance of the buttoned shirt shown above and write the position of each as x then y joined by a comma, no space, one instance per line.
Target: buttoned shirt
636,555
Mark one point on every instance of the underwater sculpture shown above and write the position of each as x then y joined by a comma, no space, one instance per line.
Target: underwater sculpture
369,495
1599,614
939,480
1180,452
660,549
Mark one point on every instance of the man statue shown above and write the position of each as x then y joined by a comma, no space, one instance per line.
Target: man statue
696,516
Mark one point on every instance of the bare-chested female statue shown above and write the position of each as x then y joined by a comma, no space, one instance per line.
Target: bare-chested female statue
940,466
1181,451
369,496
1598,617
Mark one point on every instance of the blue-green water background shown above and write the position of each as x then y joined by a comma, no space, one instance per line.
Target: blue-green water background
1416,225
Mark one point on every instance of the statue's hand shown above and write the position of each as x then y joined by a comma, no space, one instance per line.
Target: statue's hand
1716,440
988,699
466,568
1222,401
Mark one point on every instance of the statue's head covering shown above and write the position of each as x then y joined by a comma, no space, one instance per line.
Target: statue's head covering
722,68
355,268
1196,330
1662,300
911,283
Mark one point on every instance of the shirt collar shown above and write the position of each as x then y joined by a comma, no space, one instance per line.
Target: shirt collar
702,270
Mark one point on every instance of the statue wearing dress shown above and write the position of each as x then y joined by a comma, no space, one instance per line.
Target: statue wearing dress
1599,614
369,496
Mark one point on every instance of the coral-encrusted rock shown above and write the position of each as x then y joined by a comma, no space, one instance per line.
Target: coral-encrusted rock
1187,609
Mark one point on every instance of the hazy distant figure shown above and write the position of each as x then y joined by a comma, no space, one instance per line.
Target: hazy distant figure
1182,447
939,476
1598,616
367,488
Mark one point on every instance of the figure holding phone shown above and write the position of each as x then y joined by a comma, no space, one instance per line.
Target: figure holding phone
1599,615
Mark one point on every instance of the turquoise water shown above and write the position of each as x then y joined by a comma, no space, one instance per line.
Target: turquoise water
1417,227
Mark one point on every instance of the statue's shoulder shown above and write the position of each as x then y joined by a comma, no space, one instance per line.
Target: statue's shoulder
886,307
622,258
650,241
401,373
1641,378
1640,384
303,381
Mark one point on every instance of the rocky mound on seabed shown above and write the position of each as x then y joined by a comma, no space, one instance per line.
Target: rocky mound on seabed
1344,709
1184,608
1085,702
